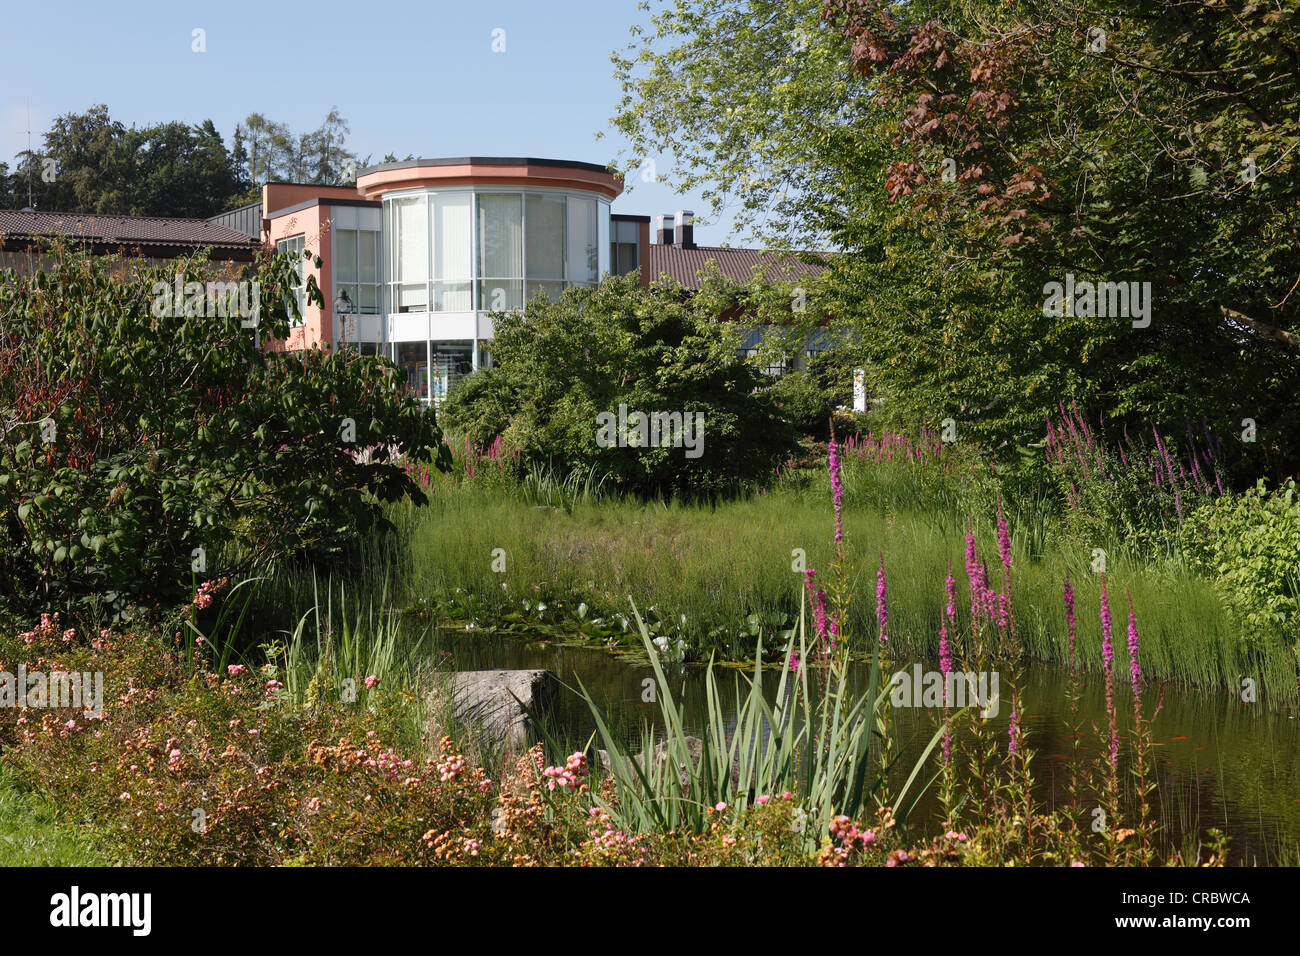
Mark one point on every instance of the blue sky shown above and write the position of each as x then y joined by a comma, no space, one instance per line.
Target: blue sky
409,76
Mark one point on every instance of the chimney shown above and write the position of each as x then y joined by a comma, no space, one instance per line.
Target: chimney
664,229
684,233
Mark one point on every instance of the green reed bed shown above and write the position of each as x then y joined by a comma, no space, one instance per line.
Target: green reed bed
719,567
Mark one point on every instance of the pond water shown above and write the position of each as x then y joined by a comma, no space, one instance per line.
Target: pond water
1219,762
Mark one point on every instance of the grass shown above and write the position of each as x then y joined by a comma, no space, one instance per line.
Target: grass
820,743
32,835
720,566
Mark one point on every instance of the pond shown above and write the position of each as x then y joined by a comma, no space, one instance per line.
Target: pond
1219,762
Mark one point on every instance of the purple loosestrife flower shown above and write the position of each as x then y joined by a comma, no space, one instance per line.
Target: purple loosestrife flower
882,609
1013,731
1134,669
1107,646
837,491
950,588
988,596
816,604
972,576
1108,657
1004,538
945,657
823,629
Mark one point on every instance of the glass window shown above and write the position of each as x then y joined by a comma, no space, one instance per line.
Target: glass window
552,289
411,254
367,298
450,364
500,251
413,360
544,252
294,247
624,251
356,268
495,295
345,256
584,260
453,245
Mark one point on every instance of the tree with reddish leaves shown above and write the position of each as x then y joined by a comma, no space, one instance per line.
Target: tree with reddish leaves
964,157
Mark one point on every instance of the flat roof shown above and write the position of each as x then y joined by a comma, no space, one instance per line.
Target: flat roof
486,161
322,201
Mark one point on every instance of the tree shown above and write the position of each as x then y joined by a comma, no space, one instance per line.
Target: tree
274,152
964,156
145,442
568,379
93,164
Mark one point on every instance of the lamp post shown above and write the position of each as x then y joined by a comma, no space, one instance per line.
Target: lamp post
342,306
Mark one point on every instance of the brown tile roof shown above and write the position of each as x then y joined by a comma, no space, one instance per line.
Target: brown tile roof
129,231
737,264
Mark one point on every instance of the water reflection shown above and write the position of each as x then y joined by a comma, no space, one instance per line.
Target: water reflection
1219,762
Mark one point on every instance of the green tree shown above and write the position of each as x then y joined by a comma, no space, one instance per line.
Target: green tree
963,156
133,434
559,368
93,164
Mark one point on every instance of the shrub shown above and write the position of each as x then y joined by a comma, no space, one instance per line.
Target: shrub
129,440
809,398
558,366
1250,543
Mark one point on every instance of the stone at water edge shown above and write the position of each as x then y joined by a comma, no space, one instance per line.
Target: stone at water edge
493,701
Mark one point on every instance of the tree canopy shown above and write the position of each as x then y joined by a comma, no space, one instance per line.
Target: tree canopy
962,156
147,441
560,371
91,163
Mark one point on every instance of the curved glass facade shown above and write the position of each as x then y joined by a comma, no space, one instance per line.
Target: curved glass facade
485,249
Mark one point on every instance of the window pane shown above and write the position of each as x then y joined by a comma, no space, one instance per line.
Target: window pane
368,299
624,258
345,255
294,248
412,298
412,241
500,236
452,296
369,256
583,261
413,360
497,294
452,240
552,289
545,237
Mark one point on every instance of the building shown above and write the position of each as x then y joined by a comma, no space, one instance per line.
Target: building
418,255
154,238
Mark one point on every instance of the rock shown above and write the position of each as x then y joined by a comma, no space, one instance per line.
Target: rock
492,703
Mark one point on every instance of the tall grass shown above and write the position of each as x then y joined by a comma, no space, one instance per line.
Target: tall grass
721,566
818,743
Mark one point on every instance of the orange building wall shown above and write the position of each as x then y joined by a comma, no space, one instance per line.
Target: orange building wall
312,223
